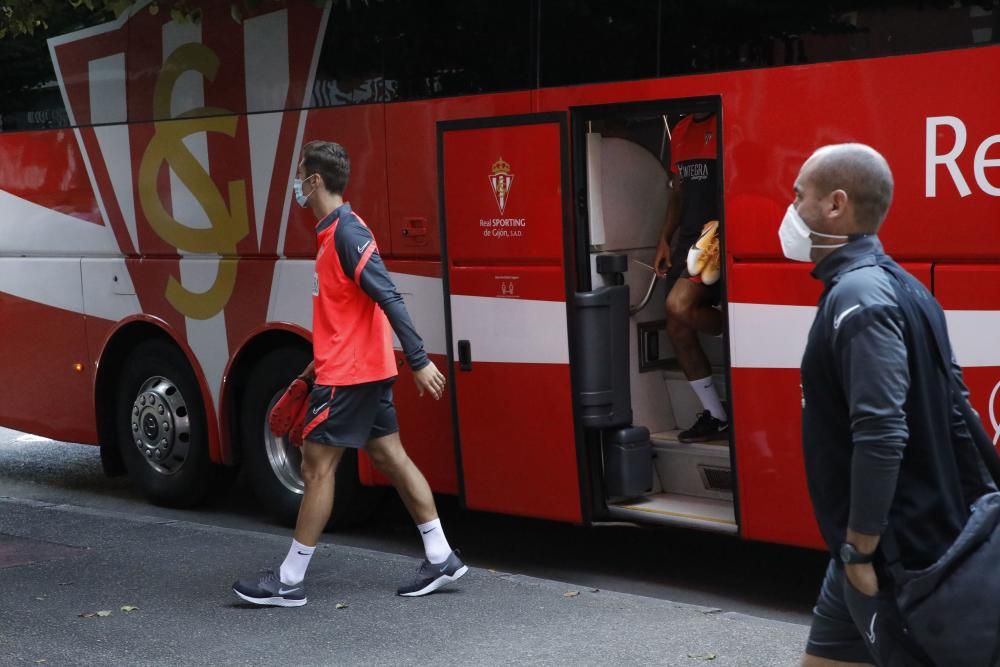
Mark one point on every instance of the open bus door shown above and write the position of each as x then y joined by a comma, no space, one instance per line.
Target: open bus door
508,270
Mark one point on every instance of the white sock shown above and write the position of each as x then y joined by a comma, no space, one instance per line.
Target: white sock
293,570
709,399
435,543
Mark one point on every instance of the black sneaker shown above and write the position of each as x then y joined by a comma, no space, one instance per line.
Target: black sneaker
267,589
705,429
431,577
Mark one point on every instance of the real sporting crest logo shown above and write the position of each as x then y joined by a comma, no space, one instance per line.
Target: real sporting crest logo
501,179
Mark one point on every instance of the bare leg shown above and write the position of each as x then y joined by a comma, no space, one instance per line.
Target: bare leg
391,460
684,338
319,468
691,303
690,356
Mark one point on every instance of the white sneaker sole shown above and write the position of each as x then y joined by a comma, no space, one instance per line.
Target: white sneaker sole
443,580
272,602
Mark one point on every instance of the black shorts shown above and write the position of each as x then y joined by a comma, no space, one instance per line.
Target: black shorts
850,626
352,415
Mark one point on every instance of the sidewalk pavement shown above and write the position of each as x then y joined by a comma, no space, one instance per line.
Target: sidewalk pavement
59,562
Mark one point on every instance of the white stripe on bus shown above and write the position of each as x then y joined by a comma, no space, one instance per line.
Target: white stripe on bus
772,336
511,330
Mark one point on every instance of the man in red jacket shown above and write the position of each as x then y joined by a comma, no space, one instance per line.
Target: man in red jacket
355,310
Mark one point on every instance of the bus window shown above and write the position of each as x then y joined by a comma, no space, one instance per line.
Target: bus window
588,41
717,35
438,49
29,93
350,68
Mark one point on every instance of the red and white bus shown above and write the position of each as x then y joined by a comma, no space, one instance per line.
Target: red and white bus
155,273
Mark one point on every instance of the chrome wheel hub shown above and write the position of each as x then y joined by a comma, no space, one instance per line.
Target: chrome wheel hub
161,425
285,459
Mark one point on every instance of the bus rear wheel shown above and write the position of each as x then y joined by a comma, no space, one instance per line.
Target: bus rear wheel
274,464
161,426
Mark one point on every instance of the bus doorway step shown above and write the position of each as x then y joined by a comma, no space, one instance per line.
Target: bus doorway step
674,509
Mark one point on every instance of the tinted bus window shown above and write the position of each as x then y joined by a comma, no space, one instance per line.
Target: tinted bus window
438,48
351,63
588,41
29,95
714,35
30,98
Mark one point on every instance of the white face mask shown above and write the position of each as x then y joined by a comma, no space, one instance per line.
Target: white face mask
795,237
300,198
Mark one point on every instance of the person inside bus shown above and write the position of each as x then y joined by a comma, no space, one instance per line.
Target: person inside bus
691,299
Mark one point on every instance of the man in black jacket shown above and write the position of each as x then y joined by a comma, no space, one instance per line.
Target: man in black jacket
884,443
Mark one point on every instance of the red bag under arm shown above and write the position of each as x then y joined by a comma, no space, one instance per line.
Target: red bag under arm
290,409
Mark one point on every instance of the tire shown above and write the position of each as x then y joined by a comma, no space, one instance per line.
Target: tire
161,426
273,465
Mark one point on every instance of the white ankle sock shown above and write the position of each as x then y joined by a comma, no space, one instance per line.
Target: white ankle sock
435,543
705,389
293,570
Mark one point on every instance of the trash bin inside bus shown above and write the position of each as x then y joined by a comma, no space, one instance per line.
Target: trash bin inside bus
628,462
602,357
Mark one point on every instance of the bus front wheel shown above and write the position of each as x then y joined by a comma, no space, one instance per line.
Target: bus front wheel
161,426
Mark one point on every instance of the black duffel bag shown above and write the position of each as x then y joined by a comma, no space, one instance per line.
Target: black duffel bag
951,609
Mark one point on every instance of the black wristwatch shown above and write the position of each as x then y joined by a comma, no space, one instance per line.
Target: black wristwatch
849,555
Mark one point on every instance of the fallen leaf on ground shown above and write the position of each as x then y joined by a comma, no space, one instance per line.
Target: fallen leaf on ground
703,656
104,613
571,594
127,608
341,605
40,661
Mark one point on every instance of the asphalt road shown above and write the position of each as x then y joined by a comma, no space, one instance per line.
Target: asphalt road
687,566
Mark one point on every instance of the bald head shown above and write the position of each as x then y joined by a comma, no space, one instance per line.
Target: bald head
858,170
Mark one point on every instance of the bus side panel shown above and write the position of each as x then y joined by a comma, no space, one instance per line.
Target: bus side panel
42,392
970,295
917,107
46,168
48,213
411,138
774,499
424,424
361,130
771,309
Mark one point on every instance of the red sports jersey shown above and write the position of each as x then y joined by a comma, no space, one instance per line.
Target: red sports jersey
352,340
693,158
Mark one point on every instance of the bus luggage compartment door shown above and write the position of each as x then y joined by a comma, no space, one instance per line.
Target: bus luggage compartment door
504,184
